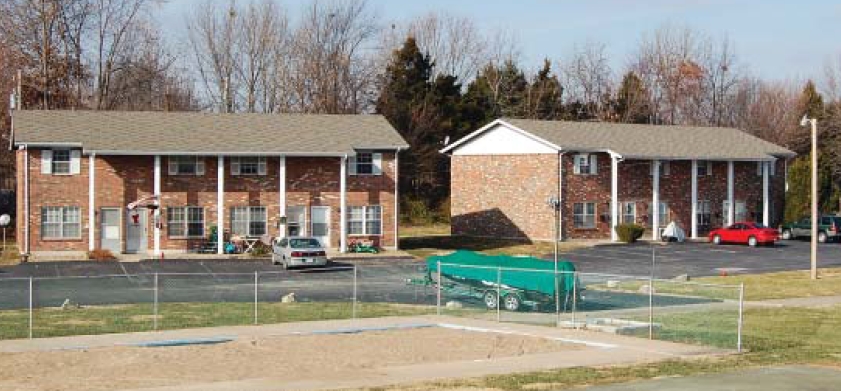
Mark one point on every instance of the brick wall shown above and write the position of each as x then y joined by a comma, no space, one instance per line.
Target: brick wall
123,179
505,195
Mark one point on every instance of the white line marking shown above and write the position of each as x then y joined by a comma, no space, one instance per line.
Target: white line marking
510,332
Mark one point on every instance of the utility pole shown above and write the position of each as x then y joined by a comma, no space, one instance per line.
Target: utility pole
806,121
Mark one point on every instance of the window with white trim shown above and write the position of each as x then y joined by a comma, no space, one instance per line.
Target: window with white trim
61,161
61,222
365,163
584,215
585,164
663,215
629,212
703,213
186,165
365,220
704,168
185,222
296,220
249,221
248,165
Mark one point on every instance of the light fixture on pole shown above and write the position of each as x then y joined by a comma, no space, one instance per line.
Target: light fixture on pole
806,121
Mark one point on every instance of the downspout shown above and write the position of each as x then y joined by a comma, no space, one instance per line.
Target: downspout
397,199
560,195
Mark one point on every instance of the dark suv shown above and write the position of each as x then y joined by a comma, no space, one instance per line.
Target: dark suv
829,229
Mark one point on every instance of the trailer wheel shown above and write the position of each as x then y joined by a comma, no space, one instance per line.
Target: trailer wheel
511,302
491,300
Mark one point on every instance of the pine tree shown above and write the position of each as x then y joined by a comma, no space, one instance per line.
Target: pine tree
632,100
811,102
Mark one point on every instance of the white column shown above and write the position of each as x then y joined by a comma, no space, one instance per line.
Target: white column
157,218
396,200
343,205
731,205
614,196
654,210
281,175
220,205
694,217
91,202
766,207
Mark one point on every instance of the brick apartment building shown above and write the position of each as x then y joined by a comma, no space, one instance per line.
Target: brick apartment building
699,177
329,176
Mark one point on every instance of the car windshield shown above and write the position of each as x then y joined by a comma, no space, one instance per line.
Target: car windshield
304,243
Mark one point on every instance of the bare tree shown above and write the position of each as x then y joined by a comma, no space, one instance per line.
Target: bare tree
211,32
588,78
261,35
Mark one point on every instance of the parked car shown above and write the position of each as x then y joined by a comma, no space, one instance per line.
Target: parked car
298,251
751,234
829,229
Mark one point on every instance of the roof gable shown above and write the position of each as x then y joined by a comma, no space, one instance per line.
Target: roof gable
503,139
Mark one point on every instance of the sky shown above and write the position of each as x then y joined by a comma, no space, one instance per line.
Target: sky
774,39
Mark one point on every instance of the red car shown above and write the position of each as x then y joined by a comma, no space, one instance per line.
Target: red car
750,233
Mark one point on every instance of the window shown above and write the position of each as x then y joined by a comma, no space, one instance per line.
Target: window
248,165
665,168
249,221
296,220
704,215
629,213
365,220
585,164
740,213
584,215
59,222
186,165
366,163
185,222
61,161
704,168
770,168
663,214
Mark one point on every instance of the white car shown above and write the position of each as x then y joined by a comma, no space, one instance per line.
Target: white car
298,251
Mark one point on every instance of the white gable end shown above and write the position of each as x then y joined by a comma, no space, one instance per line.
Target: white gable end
501,140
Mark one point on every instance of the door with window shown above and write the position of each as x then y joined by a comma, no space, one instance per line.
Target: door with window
296,221
320,224
136,230
740,212
109,229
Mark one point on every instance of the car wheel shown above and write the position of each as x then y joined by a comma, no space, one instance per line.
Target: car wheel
822,237
491,300
787,234
512,302
717,239
752,241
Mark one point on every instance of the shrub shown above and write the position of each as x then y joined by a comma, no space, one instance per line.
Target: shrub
260,250
101,255
629,233
416,212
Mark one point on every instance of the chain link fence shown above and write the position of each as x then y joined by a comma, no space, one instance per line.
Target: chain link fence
673,310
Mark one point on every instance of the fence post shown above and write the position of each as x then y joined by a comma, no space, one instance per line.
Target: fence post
651,307
438,293
574,297
256,285
498,294
31,305
155,305
741,316
355,281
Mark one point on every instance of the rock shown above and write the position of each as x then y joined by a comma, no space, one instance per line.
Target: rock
454,305
681,278
290,298
66,305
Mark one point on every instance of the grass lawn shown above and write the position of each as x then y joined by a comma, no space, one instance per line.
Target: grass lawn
424,241
53,322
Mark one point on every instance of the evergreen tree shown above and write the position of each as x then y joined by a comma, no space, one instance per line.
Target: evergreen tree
631,103
811,102
799,197
545,95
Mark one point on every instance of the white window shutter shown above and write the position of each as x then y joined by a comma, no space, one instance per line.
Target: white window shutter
576,164
172,166
200,166
594,164
46,161
771,167
377,159
666,167
709,168
235,166
351,165
261,165
651,168
75,161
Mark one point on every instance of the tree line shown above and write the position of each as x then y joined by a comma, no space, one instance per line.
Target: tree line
435,76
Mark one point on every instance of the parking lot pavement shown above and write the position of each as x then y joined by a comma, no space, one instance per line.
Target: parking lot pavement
701,259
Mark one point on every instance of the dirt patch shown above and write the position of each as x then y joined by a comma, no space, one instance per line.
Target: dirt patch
282,358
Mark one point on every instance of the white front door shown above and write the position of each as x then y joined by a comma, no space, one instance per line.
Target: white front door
109,231
136,230
320,224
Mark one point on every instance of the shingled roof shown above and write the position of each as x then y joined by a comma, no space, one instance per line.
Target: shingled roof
205,133
645,141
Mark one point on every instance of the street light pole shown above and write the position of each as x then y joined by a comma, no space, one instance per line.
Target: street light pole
555,203
814,242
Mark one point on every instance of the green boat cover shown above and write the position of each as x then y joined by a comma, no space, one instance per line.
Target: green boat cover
527,273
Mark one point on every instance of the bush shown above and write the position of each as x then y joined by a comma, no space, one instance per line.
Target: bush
260,250
416,212
101,255
629,233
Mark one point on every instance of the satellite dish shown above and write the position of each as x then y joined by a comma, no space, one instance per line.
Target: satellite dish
5,220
